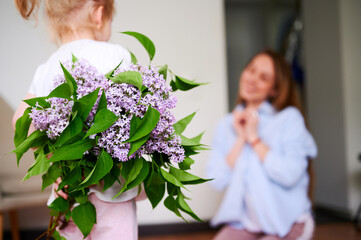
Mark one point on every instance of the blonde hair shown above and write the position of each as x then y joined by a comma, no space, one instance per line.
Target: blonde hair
61,13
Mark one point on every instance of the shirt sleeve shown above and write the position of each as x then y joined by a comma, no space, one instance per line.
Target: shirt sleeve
287,163
218,168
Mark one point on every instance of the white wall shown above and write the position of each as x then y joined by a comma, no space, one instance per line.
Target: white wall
325,104
333,55
189,37
351,56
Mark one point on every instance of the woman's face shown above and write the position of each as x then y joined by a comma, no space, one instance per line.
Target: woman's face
257,80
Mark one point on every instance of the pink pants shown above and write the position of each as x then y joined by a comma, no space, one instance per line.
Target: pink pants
115,221
230,233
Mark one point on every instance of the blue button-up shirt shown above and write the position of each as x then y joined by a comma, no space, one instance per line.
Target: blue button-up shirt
278,187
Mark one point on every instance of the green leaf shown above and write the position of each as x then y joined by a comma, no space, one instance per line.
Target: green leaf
184,84
77,194
125,168
102,102
181,125
154,188
134,171
73,58
72,151
137,177
145,41
191,141
130,77
111,177
185,177
148,123
191,150
141,176
70,81
186,163
67,218
22,127
198,138
134,146
200,147
145,90
134,124
170,178
82,199
137,166
74,128
171,204
110,73
188,142
102,121
57,236
72,177
85,104
51,175
160,159
172,189
61,91
39,100
133,58
181,203
163,71
59,205
40,166
84,216
35,139
103,165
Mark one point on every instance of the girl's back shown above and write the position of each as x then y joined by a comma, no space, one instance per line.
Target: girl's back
102,55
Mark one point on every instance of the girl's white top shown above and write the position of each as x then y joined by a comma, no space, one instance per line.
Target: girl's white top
105,57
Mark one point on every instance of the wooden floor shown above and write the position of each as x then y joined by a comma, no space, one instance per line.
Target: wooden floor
334,231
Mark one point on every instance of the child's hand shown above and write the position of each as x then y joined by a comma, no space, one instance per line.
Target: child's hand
60,193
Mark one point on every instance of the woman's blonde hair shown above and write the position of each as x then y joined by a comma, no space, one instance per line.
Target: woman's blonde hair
61,13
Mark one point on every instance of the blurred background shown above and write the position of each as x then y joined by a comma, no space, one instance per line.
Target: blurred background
211,41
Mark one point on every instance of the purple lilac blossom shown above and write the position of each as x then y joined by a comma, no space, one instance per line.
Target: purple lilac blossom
124,100
53,120
88,79
162,138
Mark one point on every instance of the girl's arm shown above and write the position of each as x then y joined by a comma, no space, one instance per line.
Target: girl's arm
20,111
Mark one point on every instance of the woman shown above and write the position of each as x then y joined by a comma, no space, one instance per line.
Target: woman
260,156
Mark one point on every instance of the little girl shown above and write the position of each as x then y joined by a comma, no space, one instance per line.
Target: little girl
82,28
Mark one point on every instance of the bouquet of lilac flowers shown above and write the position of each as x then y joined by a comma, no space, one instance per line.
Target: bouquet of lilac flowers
98,129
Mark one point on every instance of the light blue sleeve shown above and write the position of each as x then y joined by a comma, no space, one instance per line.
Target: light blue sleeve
218,168
287,163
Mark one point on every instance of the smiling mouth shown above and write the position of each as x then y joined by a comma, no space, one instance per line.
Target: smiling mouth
251,90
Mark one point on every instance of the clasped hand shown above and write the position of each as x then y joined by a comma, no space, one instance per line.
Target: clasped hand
245,124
